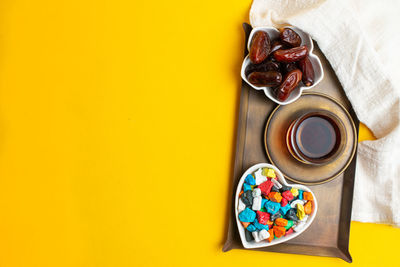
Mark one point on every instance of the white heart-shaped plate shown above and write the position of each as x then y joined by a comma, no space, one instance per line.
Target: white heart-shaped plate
307,41
282,180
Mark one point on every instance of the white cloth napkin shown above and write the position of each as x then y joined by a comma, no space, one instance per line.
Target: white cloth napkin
360,38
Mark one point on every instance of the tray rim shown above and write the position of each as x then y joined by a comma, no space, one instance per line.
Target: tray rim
350,159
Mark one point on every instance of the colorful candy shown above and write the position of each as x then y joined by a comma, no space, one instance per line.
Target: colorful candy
307,196
250,180
275,197
246,187
256,203
308,207
269,173
300,211
247,198
266,187
260,178
241,205
295,192
281,222
267,209
272,207
279,231
247,215
262,217
263,234
287,195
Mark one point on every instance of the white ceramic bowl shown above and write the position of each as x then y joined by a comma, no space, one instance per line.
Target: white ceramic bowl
282,180
296,93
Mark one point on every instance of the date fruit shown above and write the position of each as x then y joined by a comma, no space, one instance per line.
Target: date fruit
307,69
265,66
288,67
260,47
291,55
268,78
290,82
290,37
276,45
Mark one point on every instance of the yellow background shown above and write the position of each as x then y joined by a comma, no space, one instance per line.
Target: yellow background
117,133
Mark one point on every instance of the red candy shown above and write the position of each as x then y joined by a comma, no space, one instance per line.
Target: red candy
284,202
288,232
266,187
263,217
287,195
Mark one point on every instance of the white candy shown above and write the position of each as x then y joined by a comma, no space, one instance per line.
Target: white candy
256,192
255,235
241,206
294,203
263,234
276,183
299,226
305,218
260,178
256,203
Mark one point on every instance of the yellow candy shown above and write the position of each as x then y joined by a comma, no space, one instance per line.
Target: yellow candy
269,173
295,192
300,211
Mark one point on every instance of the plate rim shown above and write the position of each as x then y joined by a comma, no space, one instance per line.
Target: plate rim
355,142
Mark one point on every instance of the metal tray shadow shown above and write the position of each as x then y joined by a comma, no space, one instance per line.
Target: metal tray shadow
329,233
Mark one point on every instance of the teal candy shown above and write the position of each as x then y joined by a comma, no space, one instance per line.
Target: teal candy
263,201
251,228
272,207
285,209
247,215
246,187
300,194
260,226
250,180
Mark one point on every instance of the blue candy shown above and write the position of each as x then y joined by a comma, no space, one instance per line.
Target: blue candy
285,209
250,180
247,215
260,226
300,194
272,207
246,187
251,228
263,201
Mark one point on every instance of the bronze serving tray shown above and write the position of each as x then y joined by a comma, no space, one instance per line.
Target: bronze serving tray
329,233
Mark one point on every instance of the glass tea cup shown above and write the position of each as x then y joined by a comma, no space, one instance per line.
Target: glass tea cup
318,137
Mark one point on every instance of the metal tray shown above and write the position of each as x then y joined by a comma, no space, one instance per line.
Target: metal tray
329,233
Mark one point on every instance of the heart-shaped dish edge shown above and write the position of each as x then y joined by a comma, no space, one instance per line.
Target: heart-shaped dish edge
282,180
307,41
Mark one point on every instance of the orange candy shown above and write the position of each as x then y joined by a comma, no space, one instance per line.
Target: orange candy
281,222
279,231
270,223
275,197
308,207
307,196
241,192
245,224
271,235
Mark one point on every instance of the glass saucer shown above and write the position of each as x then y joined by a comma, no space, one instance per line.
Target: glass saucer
275,140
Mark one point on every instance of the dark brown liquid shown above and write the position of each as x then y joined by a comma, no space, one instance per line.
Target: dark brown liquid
317,137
